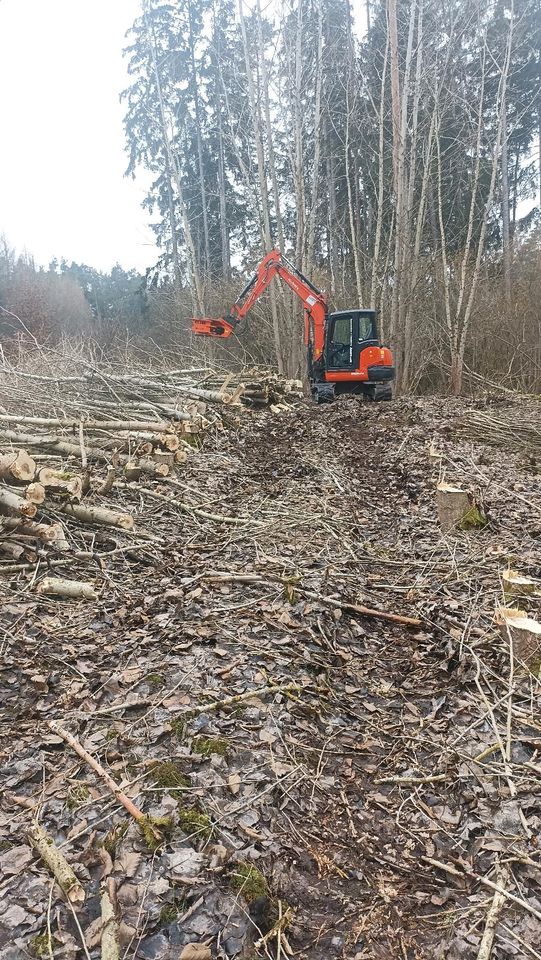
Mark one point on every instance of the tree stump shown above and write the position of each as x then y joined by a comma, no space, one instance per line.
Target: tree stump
525,634
457,508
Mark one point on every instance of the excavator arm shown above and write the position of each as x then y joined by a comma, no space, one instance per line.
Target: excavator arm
273,264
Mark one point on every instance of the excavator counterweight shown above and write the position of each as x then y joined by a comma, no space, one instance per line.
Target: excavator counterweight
344,352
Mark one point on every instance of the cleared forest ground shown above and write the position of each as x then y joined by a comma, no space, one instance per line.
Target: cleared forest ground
379,778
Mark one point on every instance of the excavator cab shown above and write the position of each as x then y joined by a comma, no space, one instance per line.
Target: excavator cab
354,360
348,332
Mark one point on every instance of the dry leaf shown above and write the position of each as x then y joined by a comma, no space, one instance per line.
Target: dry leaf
233,782
195,951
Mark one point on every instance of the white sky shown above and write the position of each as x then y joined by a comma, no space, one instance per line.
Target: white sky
62,187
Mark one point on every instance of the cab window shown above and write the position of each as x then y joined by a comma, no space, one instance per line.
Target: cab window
341,344
366,327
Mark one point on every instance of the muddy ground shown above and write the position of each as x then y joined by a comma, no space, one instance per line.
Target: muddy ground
379,778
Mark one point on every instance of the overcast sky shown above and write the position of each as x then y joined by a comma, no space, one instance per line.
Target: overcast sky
62,187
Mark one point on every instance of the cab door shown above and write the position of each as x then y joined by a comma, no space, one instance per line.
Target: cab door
341,342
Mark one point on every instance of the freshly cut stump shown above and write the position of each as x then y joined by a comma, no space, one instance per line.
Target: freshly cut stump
516,585
457,508
525,633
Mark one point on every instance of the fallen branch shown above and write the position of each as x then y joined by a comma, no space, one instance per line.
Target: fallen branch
493,915
110,949
239,698
311,595
57,863
184,508
74,589
453,872
435,778
128,804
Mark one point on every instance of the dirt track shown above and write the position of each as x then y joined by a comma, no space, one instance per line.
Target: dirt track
335,789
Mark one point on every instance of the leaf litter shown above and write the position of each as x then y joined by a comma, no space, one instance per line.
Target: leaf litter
336,785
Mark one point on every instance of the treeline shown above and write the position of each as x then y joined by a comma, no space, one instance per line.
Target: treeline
400,170
67,300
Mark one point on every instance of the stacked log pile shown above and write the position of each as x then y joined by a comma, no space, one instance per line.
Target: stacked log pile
70,444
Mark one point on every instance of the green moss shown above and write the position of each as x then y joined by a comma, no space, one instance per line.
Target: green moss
170,776
473,519
192,821
194,440
249,882
77,795
206,746
156,830
113,838
178,728
156,679
171,911
39,945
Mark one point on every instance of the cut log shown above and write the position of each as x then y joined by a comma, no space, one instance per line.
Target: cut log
62,481
132,470
17,465
164,457
74,589
457,508
12,505
13,551
515,585
37,531
525,633
101,516
181,456
35,492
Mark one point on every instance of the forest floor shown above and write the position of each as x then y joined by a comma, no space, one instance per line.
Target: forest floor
373,780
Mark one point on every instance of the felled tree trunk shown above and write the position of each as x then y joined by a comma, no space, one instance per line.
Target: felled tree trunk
457,508
525,634
18,466
101,516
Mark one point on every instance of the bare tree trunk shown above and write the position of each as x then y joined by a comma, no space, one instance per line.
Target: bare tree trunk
260,154
317,143
506,234
173,223
199,139
224,228
298,165
381,181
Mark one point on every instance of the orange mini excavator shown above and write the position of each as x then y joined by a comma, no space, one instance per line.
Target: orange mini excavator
344,352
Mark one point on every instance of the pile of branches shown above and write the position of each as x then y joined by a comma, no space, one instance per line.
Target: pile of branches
69,445
515,428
